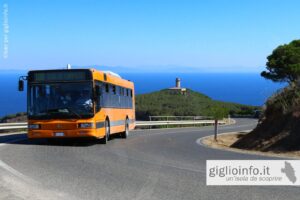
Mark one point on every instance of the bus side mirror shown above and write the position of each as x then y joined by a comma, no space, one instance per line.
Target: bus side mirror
21,85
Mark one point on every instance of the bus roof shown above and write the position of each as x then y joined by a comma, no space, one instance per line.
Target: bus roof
105,76
111,78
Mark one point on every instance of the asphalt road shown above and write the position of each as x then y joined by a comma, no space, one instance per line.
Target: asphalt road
150,164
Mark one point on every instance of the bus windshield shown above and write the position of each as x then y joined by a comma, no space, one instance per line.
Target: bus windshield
60,100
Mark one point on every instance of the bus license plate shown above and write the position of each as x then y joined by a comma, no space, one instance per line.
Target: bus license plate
59,134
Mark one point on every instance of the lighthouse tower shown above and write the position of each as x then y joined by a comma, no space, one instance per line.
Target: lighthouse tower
177,82
178,89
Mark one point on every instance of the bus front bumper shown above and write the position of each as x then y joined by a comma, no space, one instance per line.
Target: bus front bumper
96,133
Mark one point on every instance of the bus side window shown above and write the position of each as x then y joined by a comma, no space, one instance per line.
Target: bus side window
106,88
131,98
98,90
114,89
121,97
110,89
127,98
98,97
119,90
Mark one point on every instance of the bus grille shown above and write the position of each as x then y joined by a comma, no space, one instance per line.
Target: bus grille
59,126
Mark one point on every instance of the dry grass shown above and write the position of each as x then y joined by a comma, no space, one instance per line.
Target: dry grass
226,140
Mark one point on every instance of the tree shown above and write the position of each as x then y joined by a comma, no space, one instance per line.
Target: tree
284,63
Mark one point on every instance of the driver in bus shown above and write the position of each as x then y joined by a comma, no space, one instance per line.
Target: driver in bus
85,100
42,100
67,99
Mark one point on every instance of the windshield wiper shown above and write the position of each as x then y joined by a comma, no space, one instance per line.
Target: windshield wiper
63,110
74,112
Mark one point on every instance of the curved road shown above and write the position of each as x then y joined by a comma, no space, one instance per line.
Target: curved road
150,164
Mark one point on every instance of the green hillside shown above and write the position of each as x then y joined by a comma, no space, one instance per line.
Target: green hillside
166,102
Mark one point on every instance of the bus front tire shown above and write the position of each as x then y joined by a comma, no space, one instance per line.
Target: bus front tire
107,133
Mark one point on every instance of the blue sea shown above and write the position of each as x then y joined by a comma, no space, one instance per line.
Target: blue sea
242,88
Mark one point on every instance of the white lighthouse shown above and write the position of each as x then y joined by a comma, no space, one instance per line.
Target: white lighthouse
177,83
178,89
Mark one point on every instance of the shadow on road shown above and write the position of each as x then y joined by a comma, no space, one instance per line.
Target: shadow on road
21,139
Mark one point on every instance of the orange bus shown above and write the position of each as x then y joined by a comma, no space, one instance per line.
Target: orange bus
78,103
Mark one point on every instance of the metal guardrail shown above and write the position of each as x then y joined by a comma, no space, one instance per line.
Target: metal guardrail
23,125
181,122
152,118
12,126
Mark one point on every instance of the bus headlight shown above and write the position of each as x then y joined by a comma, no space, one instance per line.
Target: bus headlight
86,125
34,126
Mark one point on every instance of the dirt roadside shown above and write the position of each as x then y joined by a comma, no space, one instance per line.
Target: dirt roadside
225,141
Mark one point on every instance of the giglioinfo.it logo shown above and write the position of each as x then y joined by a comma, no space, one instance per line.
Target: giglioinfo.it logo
253,172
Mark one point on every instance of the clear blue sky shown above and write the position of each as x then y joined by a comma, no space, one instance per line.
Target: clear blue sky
205,35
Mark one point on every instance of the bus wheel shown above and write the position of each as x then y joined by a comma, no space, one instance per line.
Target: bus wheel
107,132
126,132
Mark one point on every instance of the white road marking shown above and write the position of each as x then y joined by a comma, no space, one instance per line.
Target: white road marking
9,168
12,170
15,172
25,187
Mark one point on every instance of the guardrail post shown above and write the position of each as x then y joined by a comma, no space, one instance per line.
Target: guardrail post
167,122
194,121
216,129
